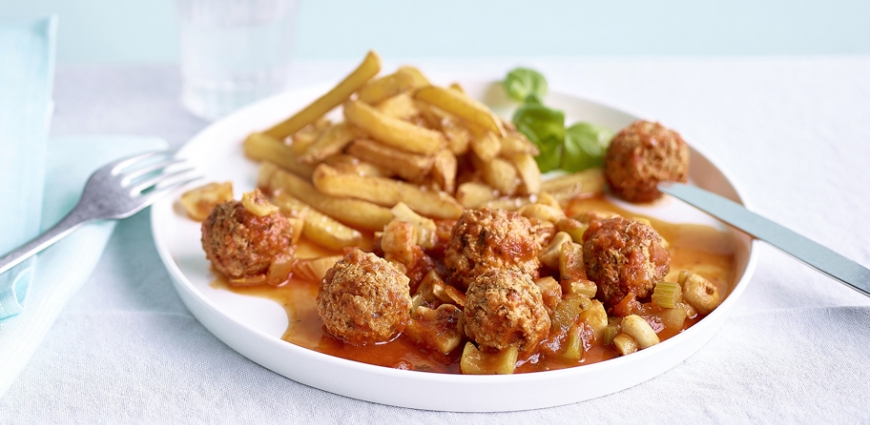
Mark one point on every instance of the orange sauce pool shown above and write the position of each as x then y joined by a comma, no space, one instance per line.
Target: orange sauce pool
697,248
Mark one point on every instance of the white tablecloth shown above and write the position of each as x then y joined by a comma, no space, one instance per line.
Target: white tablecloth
792,132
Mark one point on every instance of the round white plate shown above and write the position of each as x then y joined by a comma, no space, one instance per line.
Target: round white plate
253,326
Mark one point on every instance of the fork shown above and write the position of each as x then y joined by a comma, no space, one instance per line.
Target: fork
115,191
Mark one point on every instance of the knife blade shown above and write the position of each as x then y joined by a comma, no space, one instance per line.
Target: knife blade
814,254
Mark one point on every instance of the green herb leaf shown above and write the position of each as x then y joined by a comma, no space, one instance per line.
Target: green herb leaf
584,147
545,127
521,83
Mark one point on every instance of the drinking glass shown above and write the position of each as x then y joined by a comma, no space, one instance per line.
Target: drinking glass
233,52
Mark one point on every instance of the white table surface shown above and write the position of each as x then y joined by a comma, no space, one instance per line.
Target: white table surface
792,132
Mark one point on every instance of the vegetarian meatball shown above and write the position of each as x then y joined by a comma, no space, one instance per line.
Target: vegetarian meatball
486,239
623,256
240,243
504,308
642,155
364,299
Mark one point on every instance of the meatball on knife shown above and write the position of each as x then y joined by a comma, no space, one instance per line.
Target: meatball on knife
642,155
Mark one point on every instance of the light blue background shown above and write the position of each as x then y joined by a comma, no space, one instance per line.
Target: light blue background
136,31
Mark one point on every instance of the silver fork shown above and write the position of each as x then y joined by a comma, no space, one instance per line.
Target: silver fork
115,191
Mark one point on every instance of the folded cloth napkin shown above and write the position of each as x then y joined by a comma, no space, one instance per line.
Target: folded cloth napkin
26,74
63,267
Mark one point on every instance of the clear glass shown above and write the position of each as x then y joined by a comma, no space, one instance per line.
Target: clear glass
233,52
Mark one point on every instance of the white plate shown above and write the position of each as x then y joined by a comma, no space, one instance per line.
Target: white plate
253,326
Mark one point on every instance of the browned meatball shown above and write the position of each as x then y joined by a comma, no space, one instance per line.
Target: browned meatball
241,244
485,239
363,299
642,155
504,308
623,256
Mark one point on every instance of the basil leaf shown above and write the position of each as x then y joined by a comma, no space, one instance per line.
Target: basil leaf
521,83
584,147
545,127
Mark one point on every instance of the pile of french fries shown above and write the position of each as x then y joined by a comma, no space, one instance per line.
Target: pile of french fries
402,140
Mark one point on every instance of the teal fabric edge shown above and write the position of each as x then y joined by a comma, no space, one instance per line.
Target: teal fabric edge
15,283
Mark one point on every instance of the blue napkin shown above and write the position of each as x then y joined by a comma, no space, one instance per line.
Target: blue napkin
63,267
26,73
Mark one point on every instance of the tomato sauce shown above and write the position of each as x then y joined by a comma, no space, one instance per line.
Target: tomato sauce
697,248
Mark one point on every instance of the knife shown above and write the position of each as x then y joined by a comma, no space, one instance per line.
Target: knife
819,257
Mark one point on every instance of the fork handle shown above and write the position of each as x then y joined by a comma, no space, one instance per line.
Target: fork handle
64,227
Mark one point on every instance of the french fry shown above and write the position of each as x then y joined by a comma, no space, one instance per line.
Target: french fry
582,184
401,106
392,131
485,145
390,85
499,174
420,80
199,202
514,143
353,165
508,203
357,213
262,147
530,174
457,87
406,165
460,105
318,228
314,269
426,228
330,142
386,192
472,195
302,139
458,136
444,170
370,67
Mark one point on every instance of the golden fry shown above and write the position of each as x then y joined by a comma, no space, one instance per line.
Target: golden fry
382,88
355,212
199,202
386,192
302,139
472,195
515,143
262,147
458,136
391,131
330,142
420,80
406,165
401,106
370,67
317,227
457,87
486,146
444,170
500,174
529,173
578,185
351,165
462,106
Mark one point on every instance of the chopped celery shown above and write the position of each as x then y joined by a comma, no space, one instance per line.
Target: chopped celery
574,344
477,362
610,332
667,294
